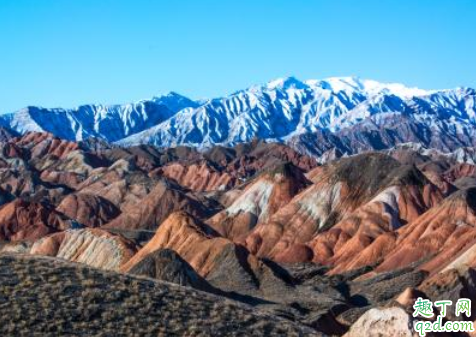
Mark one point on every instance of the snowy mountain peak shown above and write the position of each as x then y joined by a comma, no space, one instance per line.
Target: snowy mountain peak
286,83
281,110
174,101
170,95
368,87
337,84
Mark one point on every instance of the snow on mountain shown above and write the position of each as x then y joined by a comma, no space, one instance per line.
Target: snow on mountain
284,108
370,87
461,155
341,113
109,122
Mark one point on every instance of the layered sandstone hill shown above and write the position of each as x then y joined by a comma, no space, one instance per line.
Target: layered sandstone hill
80,207
122,183
443,233
200,177
370,232
220,168
164,199
231,271
217,259
250,158
45,144
94,247
344,211
148,157
167,265
259,200
48,184
257,223
24,220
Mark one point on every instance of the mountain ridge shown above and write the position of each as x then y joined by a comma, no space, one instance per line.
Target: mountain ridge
285,110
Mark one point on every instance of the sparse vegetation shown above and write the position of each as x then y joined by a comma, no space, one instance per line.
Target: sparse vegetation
47,297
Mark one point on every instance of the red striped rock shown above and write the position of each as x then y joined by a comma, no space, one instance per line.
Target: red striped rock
198,177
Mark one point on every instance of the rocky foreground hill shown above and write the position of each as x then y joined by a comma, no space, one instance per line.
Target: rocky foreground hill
255,239
42,297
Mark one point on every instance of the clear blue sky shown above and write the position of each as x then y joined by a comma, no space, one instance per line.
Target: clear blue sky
65,53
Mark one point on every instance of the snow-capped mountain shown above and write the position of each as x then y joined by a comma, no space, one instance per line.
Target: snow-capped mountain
343,115
284,109
109,122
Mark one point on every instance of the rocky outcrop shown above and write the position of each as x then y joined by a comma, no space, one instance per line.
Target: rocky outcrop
460,170
77,162
379,289
7,134
452,284
70,179
258,156
391,321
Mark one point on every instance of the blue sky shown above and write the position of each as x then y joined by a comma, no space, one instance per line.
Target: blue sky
65,53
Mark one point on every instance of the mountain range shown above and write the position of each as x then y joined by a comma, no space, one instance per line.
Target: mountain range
324,118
